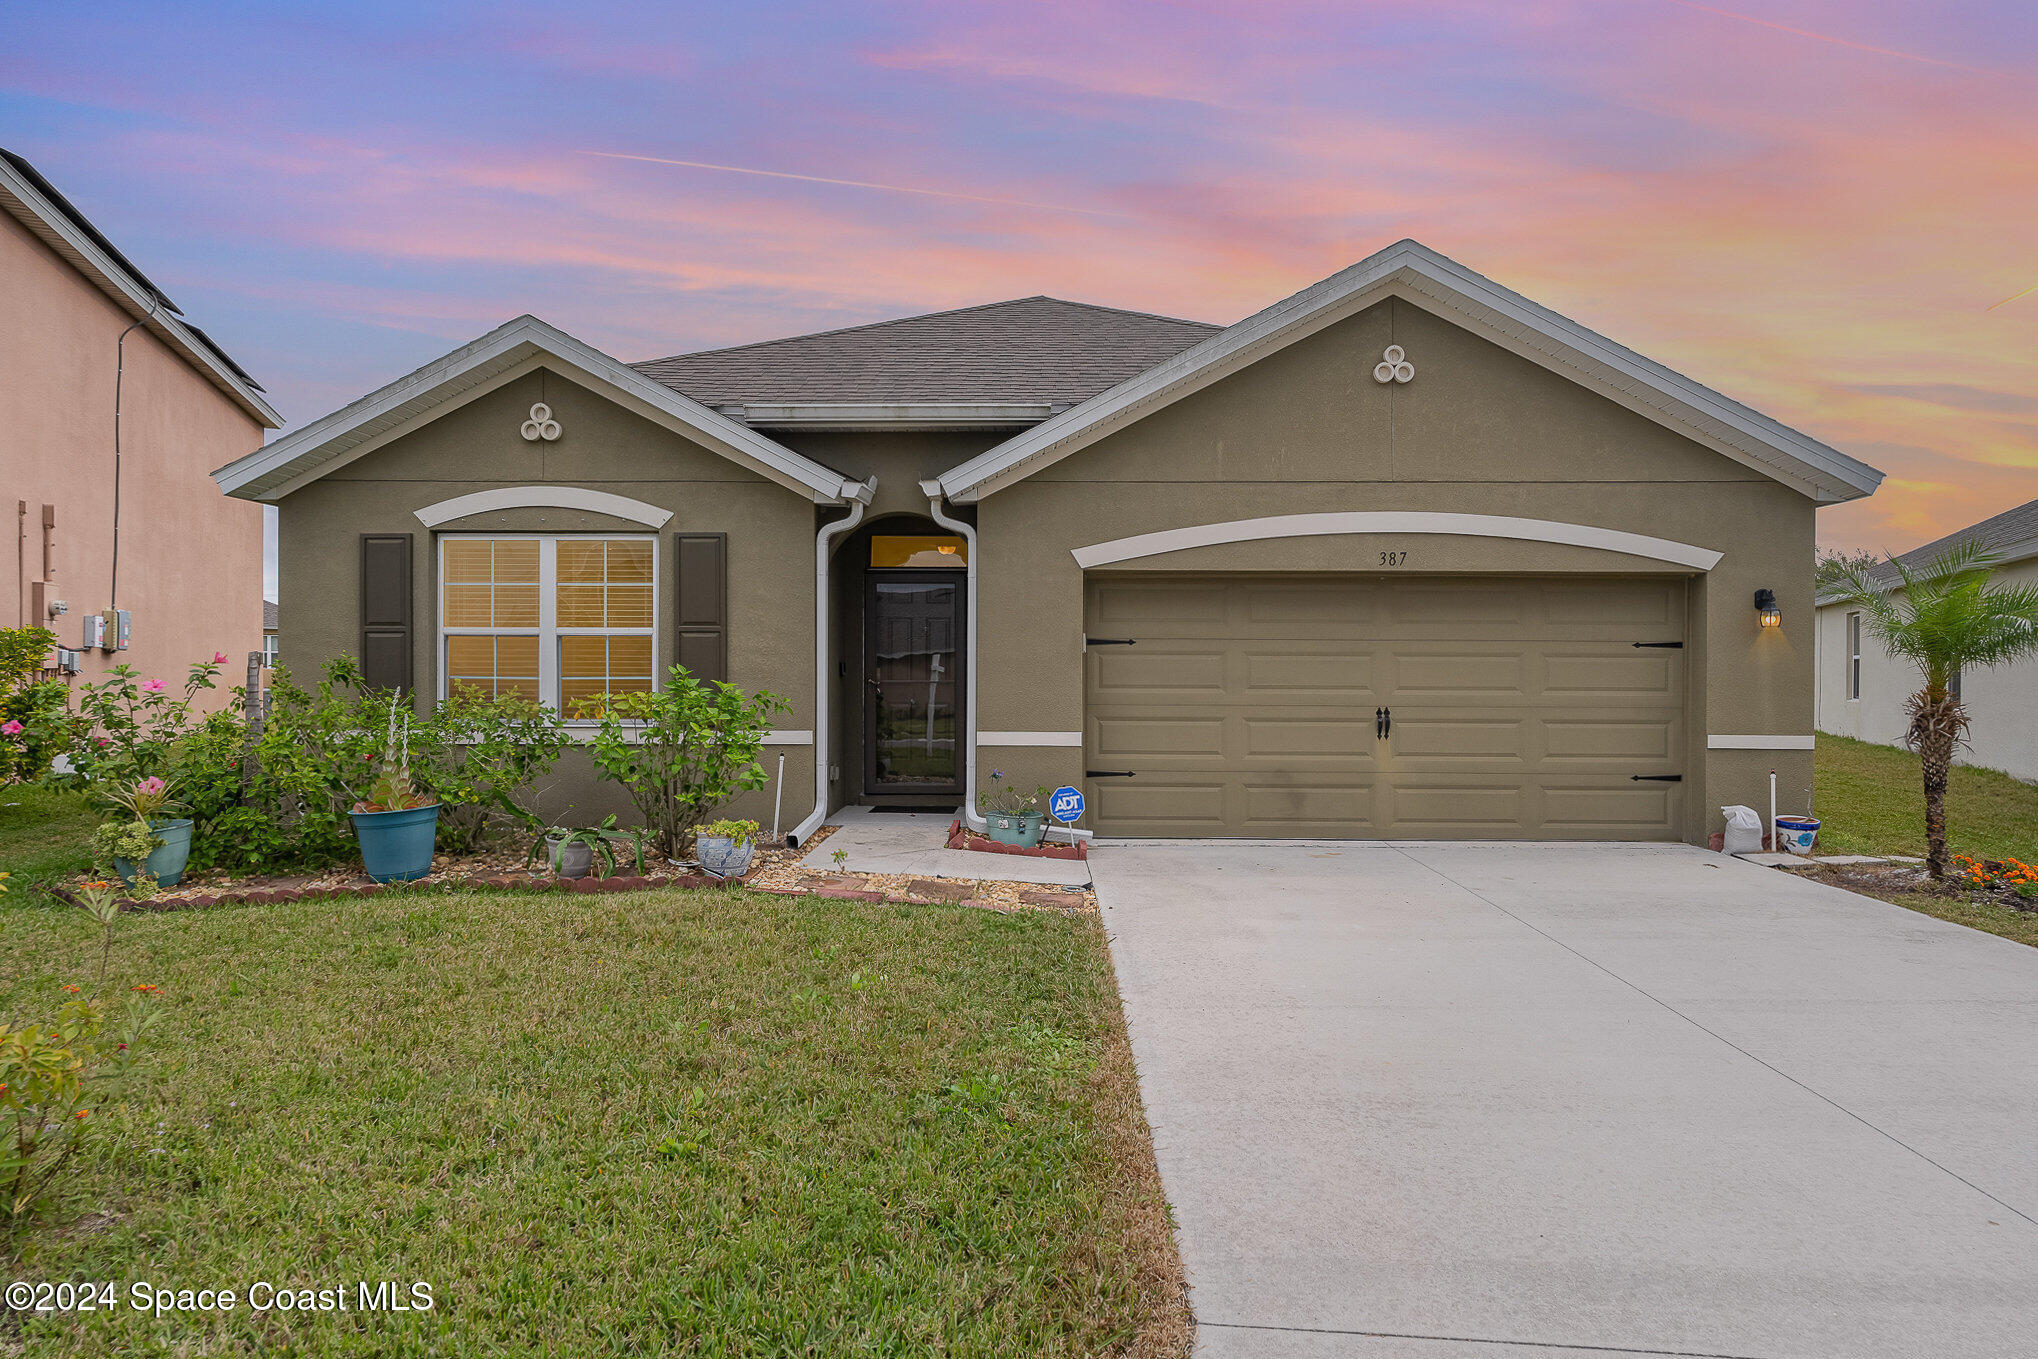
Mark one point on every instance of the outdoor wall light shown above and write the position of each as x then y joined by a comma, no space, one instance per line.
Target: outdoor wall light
1765,605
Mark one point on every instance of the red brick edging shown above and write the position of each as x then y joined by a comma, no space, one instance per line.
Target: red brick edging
265,896
958,838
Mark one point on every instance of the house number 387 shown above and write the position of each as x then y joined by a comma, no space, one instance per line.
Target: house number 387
1393,558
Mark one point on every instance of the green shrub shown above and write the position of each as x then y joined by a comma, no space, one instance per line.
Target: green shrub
485,762
39,716
684,751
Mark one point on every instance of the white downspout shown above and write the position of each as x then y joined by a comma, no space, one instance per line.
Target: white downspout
824,544
932,490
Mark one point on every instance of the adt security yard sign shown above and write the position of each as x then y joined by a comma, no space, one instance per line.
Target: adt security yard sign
1066,806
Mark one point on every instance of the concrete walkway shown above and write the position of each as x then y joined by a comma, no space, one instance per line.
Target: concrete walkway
916,843
1543,1101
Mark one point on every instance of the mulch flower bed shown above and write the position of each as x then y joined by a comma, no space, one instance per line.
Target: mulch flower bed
776,870
961,837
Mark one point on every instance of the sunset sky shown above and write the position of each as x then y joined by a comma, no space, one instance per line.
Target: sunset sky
1825,210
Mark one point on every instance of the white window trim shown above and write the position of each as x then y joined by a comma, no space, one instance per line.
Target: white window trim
548,632
1854,656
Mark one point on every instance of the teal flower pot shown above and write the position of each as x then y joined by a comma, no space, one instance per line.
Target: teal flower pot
166,862
1017,828
397,846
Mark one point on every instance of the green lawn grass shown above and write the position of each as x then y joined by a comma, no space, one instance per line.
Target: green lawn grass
703,1123
1871,800
43,834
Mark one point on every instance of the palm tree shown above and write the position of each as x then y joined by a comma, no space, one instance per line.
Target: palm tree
1948,618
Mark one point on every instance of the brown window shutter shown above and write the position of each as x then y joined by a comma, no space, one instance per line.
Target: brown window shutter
385,610
701,603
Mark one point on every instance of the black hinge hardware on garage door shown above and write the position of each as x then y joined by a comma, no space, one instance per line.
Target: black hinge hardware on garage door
1108,774
1110,641
1675,646
1655,778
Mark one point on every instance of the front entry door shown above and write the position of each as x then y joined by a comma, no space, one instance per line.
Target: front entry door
913,673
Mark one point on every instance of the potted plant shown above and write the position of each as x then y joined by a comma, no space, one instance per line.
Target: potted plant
725,848
152,839
1014,817
573,852
396,824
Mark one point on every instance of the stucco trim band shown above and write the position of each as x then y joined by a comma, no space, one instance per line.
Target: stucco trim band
544,497
1758,742
1394,521
1029,738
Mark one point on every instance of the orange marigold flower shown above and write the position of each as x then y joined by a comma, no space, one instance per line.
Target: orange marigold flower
71,988
147,988
84,1113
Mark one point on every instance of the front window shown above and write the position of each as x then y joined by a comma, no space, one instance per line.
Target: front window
269,642
556,619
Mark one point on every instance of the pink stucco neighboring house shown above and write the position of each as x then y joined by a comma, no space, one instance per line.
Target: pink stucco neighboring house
188,572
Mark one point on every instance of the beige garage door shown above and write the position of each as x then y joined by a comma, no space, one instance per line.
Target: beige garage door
1355,707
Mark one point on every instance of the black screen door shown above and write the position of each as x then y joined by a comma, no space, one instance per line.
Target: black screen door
913,682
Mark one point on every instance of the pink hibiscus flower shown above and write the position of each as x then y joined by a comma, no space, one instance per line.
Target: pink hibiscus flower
219,658
150,786
152,686
10,727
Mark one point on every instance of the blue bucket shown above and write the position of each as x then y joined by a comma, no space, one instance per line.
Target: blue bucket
1795,834
166,862
397,846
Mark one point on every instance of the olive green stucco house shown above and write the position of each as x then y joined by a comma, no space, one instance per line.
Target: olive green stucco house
1404,555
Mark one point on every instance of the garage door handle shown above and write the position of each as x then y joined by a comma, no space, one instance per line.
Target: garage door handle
1107,773
1655,778
1383,722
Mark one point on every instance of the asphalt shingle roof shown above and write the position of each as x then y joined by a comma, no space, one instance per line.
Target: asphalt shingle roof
1030,349
2012,529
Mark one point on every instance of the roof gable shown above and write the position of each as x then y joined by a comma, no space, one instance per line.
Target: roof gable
52,219
1426,279
273,471
1039,351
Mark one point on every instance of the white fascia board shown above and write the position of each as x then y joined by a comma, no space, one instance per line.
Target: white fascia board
891,416
61,234
1425,278
331,442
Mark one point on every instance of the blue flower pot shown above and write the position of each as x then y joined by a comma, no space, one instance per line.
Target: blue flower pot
724,857
166,862
1017,828
397,846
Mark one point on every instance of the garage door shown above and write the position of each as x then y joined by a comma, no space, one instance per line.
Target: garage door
1404,707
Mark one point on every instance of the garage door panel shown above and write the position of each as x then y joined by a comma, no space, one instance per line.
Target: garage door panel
1134,672
1493,810
1608,812
1341,737
1275,806
1332,672
1419,741
1566,740
1168,738
1521,707
1425,673
1653,673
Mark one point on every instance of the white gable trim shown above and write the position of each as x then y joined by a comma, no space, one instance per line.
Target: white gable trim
324,445
544,497
1394,521
1419,275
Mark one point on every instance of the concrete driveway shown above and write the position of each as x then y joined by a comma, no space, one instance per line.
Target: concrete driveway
1549,1101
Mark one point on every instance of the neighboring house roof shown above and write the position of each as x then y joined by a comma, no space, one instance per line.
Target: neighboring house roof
269,615
52,218
511,349
2013,534
1030,355
1421,276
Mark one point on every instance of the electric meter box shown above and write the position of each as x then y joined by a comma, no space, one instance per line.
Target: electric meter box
122,624
95,631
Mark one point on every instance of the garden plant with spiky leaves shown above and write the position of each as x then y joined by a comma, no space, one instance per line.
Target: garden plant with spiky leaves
1947,617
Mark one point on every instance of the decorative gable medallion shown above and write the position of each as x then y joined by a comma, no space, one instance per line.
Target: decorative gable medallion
1392,367
541,425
